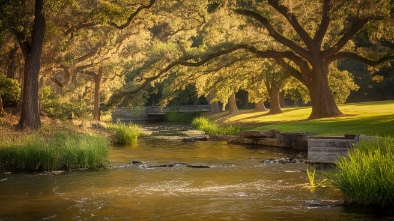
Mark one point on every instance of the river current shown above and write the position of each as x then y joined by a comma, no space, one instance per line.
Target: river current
169,179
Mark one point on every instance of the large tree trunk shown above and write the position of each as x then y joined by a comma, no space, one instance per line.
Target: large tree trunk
259,106
233,104
97,87
323,104
30,115
273,92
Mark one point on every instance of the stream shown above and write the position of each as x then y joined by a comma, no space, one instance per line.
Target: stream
165,178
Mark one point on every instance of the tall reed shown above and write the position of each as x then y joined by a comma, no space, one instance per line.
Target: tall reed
366,174
60,151
311,173
211,128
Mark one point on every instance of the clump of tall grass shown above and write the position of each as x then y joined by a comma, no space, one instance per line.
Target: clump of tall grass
125,134
211,128
366,174
59,151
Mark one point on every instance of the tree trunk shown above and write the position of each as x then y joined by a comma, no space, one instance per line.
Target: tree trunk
282,99
97,87
68,73
12,67
215,109
259,106
1,106
30,115
273,91
323,104
233,104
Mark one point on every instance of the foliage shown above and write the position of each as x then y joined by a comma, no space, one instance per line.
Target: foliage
341,83
211,128
10,90
125,134
59,151
55,108
366,174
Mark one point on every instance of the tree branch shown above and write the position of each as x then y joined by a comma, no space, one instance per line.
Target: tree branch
130,18
91,73
325,21
346,37
79,27
293,21
357,57
292,71
88,55
273,33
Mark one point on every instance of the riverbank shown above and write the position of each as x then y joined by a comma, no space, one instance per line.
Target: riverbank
56,146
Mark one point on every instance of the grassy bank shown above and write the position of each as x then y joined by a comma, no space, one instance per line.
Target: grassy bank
366,174
370,118
57,151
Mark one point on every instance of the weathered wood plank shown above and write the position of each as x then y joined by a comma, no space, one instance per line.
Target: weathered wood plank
341,143
328,150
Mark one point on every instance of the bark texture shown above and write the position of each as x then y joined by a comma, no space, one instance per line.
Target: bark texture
273,91
259,106
30,115
233,104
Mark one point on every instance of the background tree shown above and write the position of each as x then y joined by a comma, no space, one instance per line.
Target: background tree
311,41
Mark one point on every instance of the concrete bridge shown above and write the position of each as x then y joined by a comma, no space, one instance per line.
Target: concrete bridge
155,112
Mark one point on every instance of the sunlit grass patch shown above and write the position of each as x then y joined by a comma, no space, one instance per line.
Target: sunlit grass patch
370,118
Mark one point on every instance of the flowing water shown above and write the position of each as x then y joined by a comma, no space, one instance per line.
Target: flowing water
174,180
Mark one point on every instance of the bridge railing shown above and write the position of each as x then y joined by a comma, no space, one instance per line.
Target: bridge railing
181,109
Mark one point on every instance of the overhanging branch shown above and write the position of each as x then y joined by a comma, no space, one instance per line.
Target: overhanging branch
130,18
273,33
357,57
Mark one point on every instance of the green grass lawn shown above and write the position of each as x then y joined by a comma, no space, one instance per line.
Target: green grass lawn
369,118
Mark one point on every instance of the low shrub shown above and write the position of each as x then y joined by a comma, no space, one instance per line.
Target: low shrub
125,134
366,174
60,151
10,90
211,128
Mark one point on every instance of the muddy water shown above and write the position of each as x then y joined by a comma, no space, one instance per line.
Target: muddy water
174,180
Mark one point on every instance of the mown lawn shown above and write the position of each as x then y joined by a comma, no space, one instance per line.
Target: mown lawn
369,118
